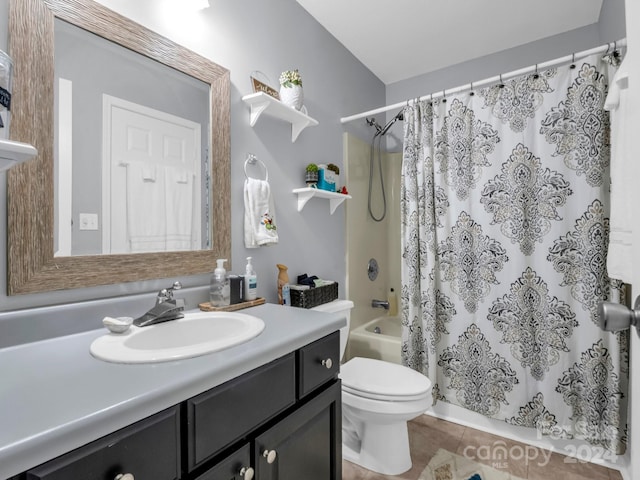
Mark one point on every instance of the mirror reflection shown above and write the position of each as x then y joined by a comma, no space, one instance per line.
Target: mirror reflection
132,172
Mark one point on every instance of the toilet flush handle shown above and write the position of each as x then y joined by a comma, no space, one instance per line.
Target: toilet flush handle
327,363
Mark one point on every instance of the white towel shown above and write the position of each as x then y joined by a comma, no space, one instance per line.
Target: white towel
179,208
259,214
622,184
145,209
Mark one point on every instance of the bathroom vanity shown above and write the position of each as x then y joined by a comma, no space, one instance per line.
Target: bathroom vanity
269,407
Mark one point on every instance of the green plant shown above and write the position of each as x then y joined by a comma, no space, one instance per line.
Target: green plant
312,167
333,168
289,78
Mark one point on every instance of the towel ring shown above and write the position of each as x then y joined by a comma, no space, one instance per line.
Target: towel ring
253,160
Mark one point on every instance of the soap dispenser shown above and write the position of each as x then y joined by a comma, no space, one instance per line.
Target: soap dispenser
220,292
250,282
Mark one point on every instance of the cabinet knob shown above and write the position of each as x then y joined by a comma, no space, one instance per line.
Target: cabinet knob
246,473
327,363
270,455
124,476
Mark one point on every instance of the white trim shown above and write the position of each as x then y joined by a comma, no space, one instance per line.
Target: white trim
488,81
65,167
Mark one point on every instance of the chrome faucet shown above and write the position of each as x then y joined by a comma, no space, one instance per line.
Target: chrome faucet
380,304
166,308
166,294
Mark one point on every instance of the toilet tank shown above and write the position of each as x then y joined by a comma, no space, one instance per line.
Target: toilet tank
339,306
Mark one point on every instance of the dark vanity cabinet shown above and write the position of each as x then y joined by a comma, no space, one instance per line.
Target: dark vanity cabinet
280,421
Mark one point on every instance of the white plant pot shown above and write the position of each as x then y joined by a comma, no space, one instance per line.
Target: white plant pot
292,96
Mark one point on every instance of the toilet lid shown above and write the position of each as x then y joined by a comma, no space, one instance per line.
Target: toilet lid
378,379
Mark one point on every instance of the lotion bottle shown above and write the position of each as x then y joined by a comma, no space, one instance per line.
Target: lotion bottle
220,293
250,282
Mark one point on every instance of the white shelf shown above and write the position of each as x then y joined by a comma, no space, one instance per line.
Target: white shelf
262,103
12,153
307,193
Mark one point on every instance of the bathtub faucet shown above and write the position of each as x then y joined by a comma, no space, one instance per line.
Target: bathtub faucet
380,304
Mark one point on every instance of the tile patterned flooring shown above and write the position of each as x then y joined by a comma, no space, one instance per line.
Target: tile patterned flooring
427,434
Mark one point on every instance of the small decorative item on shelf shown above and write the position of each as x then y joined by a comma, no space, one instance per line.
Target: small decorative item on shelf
6,76
311,174
336,170
291,89
344,191
260,86
283,279
326,178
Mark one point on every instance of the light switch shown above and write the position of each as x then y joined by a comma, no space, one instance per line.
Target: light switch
88,221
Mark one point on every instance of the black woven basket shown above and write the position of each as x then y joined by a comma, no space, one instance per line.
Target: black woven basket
314,296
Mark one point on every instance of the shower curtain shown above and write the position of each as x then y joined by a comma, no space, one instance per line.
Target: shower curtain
504,199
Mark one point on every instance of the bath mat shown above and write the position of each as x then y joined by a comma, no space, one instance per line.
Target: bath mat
446,465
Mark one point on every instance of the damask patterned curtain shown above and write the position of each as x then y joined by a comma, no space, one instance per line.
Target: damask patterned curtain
505,198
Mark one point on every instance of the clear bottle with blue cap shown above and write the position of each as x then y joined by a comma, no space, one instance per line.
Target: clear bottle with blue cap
250,282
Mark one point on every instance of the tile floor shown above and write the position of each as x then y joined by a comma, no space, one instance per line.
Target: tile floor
427,434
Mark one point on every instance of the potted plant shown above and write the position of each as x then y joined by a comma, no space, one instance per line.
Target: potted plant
311,174
291,89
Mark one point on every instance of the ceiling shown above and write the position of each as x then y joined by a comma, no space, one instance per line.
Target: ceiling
399,39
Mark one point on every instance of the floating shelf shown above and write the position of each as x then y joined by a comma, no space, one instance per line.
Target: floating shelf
261,102
307,193
12,153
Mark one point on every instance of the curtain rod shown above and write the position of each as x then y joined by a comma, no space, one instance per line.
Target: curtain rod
497,78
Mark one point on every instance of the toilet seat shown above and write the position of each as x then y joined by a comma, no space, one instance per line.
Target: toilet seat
379,380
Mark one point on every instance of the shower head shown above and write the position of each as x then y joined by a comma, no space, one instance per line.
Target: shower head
399,116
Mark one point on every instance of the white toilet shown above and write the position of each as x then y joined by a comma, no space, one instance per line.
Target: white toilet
378,398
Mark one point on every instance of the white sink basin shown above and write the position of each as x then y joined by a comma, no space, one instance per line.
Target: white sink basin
195,334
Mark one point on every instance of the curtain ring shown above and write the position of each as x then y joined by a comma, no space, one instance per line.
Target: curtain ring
444,96
501,82
536,75
573,61
471,92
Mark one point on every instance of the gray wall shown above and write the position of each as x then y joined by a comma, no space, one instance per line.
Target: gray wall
243,36
610,28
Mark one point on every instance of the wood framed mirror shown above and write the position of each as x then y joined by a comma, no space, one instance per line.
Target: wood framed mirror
31,264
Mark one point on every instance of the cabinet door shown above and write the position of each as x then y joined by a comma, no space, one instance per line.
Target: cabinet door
148,449
306,444
234,467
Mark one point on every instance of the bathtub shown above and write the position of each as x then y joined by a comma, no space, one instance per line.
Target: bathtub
364,342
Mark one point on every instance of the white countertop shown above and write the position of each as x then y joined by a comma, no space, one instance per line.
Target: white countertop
55,397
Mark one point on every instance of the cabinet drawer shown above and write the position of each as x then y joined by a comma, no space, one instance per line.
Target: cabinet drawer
318,362
225,414
230,468
146,449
